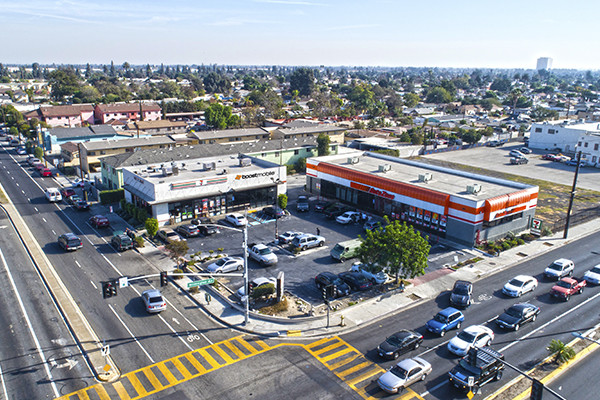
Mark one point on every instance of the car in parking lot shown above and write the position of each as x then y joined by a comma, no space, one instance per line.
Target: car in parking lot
593,275
236,219
462,294
348,217
99,221
520,285
525,150
288,236
121,242
81,183
336,210
518,160
516,153
329,278
517,315
372,273
403,374
168,235
446,319
188,230
205,226
67,192
302,204
153,301
307,241
573,163
372,225
226,264
256,283
356,280
321,206
399,343
274,212
70,241
559,268
473,336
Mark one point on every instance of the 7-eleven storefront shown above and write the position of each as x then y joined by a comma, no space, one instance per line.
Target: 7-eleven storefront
453,214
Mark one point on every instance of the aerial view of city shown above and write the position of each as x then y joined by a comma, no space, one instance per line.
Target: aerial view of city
299,199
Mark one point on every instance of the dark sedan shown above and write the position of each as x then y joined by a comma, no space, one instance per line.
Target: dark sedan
329,278
517,315
399,343
336,211
188,230
274,212
81,205
356,280
461,295
205,226
321,206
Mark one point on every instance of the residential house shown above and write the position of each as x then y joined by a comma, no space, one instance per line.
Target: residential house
64,116
55,137
231,135
157,127
335,133
561,135
589,145
129,111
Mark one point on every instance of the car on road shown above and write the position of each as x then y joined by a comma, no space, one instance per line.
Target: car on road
525,150
321,206
274,212
21,151
404,374
70,241
73,199
494,143
348,217
288,236
121,242
443,321
593,275
236,219
519,285
168,235
67,192
81,205
356,280
226,264
517,315
478,368
33,160
559,268
256,283
567,287
53,195
188,230
205,226
307,241
329,278
39,166
370,272
399,343
573,163
99,221
153,301
473,336
518,160
45,172
302,204
81,183
462,294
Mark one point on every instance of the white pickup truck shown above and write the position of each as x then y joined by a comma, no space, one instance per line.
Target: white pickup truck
262,254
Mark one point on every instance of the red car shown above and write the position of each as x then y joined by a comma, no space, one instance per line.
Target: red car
567,287
99,221
67,192
39,166
46,172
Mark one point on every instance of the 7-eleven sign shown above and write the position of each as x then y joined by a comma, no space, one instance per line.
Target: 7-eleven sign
536,225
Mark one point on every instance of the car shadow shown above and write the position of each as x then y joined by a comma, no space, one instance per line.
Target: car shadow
53,248
136,308
443,299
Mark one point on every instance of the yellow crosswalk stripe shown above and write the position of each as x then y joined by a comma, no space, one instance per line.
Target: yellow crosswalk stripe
102,392
235,350
167,374
181,368
318,342
343,362
353,369
262,344
223,355
137,385
82,394
190,357
209,358
120,389
366,375
337,354
152,378
247,345
409,395
330,347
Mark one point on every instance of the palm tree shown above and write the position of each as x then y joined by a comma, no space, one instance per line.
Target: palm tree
561,351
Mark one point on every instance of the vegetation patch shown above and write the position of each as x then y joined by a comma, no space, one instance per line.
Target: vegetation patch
276,308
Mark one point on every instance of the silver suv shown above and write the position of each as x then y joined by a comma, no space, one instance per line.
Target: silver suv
308,241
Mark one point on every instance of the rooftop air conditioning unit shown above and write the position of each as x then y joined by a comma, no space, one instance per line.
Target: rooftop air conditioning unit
426,177
353,160
474,188
166,171
209,166
175,169
385,168
245,162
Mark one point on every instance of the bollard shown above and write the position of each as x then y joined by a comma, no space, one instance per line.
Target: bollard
207,297
342,323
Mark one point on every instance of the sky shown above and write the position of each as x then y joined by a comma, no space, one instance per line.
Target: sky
391,33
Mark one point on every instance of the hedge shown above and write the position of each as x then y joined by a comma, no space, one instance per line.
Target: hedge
112,196
263,291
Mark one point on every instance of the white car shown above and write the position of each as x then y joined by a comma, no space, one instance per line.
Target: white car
559,269
53,195
347,217
403,374
520,285
375,277
153,301
254,283
81,183
33,161
516,153
21,151
287,237
474,335
593,275
236,219
226,264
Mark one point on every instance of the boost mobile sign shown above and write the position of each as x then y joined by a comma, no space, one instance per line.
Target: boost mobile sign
255,175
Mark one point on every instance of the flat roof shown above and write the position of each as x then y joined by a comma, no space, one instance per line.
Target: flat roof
135,142
444,180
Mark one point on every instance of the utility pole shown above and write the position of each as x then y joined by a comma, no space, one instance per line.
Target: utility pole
246,280
573,190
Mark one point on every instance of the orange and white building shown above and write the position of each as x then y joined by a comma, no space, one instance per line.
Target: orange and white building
463,207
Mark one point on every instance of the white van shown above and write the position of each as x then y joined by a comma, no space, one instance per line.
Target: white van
53,195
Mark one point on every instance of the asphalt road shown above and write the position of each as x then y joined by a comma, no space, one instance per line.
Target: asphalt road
578,382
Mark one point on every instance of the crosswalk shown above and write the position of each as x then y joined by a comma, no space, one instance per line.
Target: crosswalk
167,373
353,368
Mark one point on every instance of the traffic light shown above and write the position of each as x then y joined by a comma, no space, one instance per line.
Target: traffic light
107,289
537,389
324,292
113,288
163,278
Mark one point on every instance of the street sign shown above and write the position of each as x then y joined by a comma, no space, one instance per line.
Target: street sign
471,381
536,226
123,282
201,282
105,351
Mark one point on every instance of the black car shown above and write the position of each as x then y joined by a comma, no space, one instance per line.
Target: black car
121,242
321,206
82,205
329,278
356,280
274,212
517,315
202,222
482,365
399,343
302,204
188,230
462,294
336,211
70,241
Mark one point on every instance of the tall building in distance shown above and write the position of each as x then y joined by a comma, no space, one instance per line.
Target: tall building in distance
544,63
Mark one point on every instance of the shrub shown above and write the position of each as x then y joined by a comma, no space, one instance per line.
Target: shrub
194,289
151,226
275,308
112,196
289,169
520,241
142,215
263,291
506,245
546,231
282,201
139,241
177,271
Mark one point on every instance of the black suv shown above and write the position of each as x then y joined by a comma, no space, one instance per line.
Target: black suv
480,365
329,278
122,242
70,241
462,294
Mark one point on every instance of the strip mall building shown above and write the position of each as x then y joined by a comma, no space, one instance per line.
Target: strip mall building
460,206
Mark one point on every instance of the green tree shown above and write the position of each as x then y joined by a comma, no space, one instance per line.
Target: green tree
560,351
38,152
151,226
542,114
219,116
300,165
302,80
282,200
13,131
471,136
411,100
398,249
439,95
64,82
177,249
323,141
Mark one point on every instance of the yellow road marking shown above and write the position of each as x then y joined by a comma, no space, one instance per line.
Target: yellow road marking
190,357
137,385
409,395
318,342
82,394
294,332
330,347
262,344
120,389
152,378
209,358
336,355
247,345
353,369
167,374
224,356
102,392
181,368
235,350
352,382
343,362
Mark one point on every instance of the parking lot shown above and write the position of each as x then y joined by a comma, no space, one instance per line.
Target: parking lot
497,159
